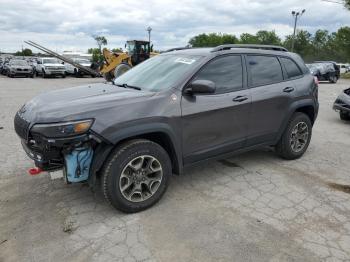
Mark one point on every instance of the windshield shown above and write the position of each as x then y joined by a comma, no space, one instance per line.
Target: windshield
50,61
19,62
130,47
160,72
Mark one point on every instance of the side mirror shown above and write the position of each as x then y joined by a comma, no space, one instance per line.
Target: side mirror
201,87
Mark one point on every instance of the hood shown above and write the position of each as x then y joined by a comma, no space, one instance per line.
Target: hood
79,102
86,64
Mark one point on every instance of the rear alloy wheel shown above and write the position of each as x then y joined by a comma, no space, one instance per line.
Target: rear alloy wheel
136,175
344,115
296,138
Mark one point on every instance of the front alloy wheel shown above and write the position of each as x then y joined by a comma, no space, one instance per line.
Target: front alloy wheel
140,179
135,176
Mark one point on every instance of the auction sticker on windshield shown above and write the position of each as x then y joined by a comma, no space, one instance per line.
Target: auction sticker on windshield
185,60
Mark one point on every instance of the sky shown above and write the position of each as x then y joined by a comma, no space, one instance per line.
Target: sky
69,24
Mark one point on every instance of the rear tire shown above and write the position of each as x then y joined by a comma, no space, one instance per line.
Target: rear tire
135,176
296,137
333,79
345,116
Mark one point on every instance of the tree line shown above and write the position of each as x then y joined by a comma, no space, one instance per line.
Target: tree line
322,45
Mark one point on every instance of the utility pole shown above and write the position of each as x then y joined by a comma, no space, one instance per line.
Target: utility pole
296,15
149,29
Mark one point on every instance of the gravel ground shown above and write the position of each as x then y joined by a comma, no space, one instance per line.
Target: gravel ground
253,207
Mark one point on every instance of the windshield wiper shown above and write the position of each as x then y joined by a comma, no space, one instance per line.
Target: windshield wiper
129,86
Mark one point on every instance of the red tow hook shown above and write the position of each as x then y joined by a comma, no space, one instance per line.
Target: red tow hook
34,171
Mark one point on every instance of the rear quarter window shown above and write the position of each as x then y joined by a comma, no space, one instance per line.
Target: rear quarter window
291,67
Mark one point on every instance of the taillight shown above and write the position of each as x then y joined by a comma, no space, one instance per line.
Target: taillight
316,80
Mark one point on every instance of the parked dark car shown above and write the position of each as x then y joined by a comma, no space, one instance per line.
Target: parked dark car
172,111
342,105
330,72
4,67
18,67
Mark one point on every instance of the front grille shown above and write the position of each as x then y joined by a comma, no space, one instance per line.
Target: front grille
21,127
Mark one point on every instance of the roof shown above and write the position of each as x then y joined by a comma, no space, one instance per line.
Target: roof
236,50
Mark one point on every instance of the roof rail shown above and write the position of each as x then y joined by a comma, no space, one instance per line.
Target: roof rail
264,47
176,49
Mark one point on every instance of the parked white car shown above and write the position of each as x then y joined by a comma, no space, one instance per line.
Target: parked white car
70,69
344,68
49,66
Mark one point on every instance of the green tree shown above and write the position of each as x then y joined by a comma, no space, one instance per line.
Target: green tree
100,40
212,39
342,38
248,39
302,44
117,50
96,54
347,4
27,52
268,38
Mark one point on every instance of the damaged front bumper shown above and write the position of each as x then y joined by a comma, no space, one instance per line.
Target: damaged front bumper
73,154
342,103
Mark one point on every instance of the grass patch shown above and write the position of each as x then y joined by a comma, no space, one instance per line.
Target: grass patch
345,75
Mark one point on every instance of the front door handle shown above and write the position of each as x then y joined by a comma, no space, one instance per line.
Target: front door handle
239,99
288,89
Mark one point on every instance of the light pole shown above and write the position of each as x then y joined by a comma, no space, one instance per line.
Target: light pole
149,29
296,15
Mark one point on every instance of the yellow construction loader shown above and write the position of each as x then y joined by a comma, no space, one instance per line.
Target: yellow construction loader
114,64
117,64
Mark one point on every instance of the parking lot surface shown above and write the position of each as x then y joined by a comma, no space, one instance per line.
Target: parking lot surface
252,207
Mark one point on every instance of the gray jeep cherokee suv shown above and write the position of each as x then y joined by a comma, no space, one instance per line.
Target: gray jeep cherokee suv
171,111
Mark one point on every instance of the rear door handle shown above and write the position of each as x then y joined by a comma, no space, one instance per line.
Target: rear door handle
288,89
239,99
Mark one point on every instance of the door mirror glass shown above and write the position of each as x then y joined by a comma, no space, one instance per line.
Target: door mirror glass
201,87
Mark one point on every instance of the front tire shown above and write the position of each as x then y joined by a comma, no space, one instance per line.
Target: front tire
296,137
136,175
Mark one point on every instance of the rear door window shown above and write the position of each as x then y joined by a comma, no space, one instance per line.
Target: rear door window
291,67
264,70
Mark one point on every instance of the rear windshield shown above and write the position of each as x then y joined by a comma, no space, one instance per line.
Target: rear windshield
50,61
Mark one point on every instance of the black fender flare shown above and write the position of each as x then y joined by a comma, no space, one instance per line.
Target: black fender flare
294,108
103,149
